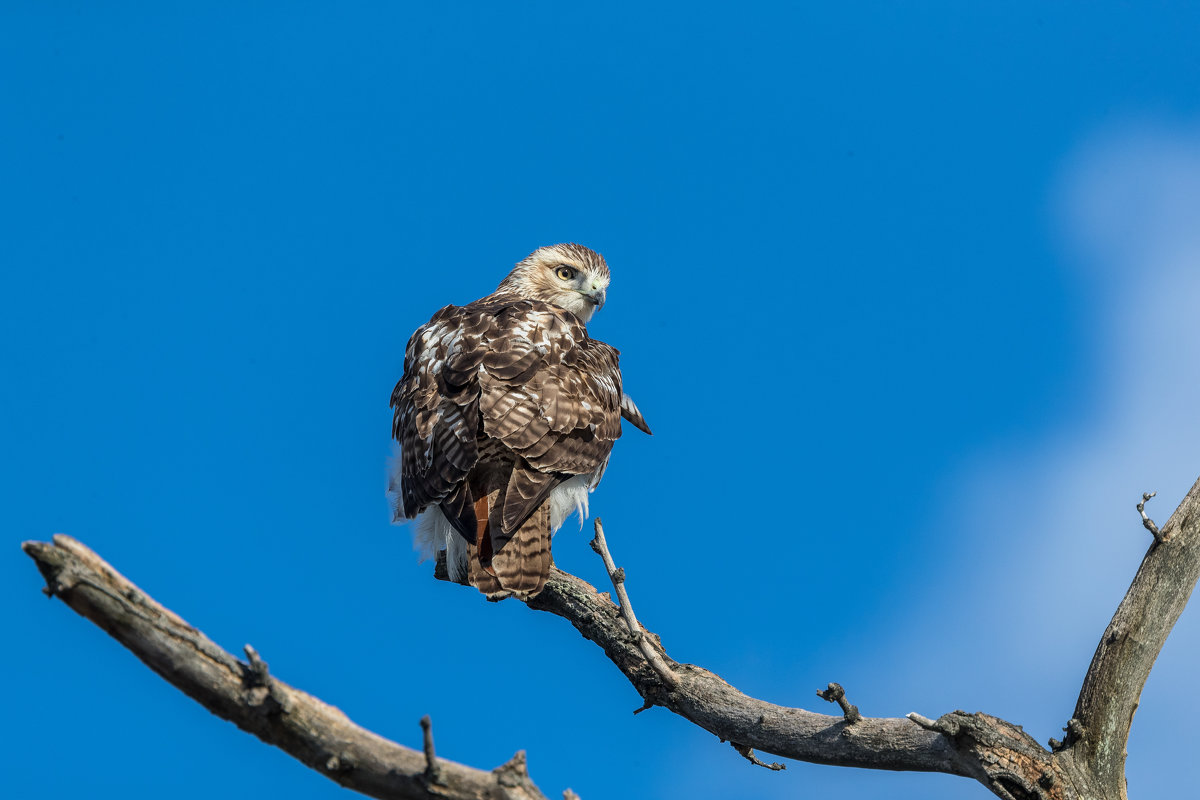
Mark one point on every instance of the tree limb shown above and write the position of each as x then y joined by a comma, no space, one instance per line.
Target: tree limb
1134,638
1088,765
705,699
319,735
617,576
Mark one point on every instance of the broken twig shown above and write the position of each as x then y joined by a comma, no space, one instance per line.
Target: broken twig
836,694
748,754
1148,523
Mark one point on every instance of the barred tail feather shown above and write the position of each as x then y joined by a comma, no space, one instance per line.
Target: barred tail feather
523,563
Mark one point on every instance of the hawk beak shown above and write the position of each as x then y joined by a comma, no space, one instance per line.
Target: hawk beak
596,298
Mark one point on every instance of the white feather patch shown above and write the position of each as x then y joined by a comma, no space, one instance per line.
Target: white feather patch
395,500
568,497
433,533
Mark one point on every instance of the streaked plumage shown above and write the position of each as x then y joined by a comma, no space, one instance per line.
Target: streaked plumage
506,416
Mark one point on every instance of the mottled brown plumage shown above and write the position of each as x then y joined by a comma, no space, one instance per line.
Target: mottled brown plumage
502,402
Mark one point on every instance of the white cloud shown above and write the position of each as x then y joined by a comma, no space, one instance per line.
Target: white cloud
1041,537
1055,520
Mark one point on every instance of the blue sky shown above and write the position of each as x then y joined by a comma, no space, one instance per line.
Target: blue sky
907,292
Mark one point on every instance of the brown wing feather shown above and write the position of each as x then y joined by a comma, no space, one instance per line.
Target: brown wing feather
527,490
527,375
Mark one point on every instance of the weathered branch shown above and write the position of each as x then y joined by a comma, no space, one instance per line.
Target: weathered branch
705,699
1134,638
1088,765
319,735
617,576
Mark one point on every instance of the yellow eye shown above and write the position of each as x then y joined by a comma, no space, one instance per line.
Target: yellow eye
565,273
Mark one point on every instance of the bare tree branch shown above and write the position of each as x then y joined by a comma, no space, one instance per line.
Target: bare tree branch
319,735
617,576
1134,638
705,699
1087,765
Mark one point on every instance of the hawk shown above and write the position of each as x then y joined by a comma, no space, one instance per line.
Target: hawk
506,416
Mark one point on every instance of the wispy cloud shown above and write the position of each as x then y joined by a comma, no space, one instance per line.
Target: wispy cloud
1055,519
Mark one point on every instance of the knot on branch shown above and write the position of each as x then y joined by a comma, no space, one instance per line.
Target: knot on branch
1012,764
261,690
1075,733
338,764
836,694
514,772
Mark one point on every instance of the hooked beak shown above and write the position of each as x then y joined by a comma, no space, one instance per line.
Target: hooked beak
596,298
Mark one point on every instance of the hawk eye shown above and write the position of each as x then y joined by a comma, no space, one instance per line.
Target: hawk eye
565,273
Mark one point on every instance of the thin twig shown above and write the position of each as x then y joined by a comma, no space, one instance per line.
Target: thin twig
1133,640
925,722
617,576
836,694
1148,523
748,754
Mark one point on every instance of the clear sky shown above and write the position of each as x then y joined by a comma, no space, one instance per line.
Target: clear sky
908,293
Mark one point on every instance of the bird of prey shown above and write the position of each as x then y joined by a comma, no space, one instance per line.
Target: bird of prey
506,416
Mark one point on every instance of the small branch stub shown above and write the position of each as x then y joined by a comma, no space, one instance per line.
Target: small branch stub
260,674
1148,523
748,754
925,722
836,694
433,770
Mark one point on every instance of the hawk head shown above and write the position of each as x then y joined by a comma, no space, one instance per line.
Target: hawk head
569,276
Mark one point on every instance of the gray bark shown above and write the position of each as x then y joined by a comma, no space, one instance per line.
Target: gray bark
1088,764
246,694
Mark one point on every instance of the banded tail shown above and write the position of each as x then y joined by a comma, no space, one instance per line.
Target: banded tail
516,564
